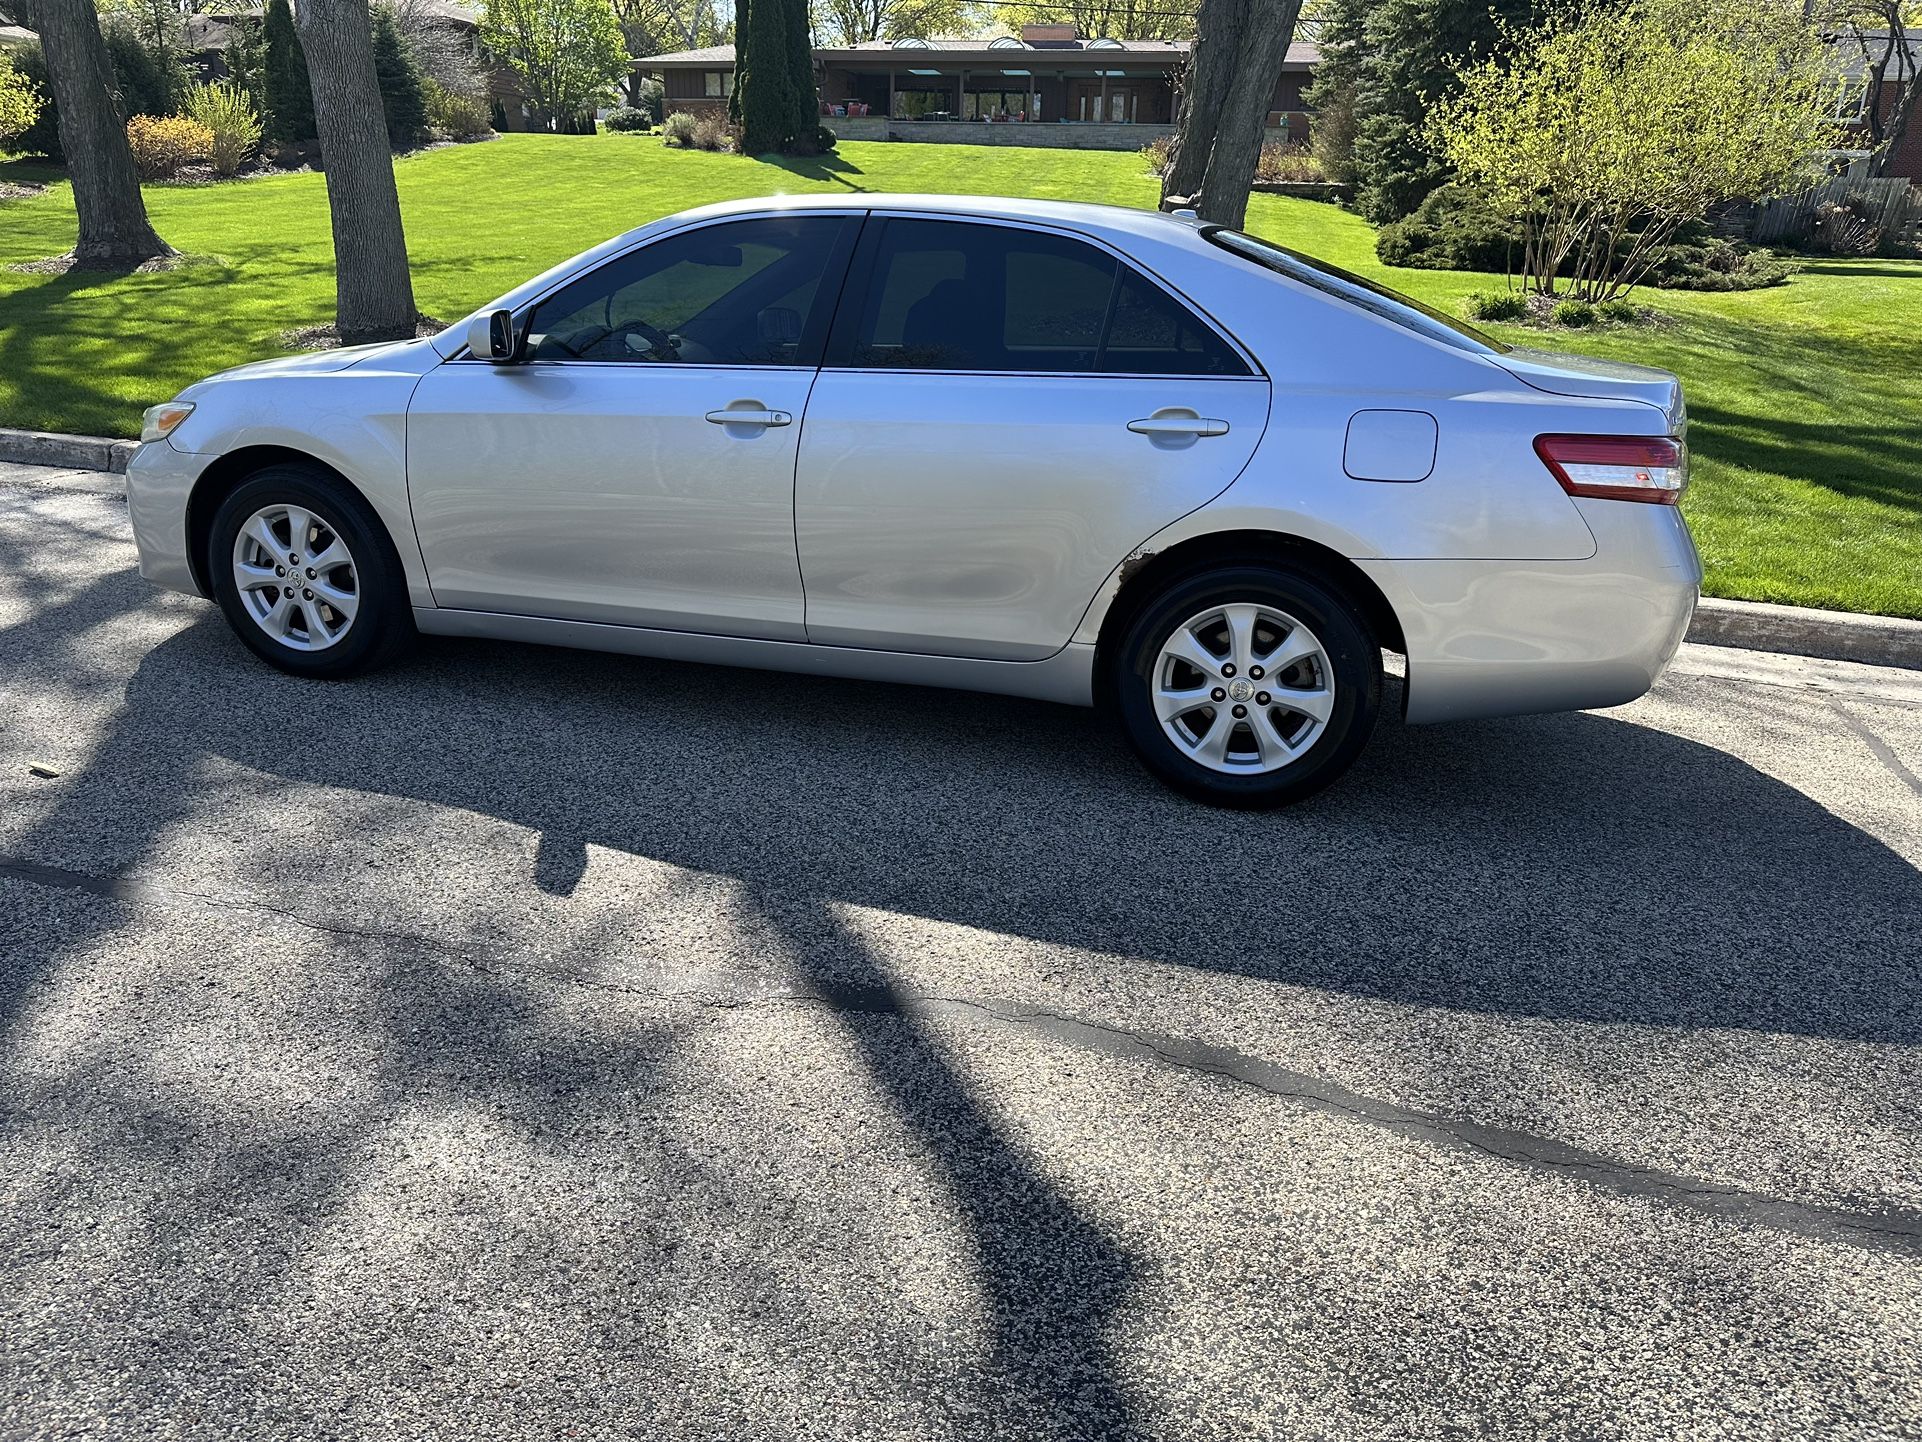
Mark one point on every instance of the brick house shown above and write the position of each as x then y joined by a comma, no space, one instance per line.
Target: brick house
1861,55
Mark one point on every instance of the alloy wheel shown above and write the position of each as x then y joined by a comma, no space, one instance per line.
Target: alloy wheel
296,577
1243,688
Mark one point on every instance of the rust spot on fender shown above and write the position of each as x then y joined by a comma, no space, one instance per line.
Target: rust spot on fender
1132,565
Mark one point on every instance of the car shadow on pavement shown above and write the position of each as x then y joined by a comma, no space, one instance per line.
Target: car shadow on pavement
1569,867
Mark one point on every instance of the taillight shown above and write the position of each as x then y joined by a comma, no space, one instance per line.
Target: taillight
1617,468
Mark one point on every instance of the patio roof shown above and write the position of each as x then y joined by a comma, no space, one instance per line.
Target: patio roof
975,52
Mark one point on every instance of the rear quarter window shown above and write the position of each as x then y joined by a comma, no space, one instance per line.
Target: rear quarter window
1391,305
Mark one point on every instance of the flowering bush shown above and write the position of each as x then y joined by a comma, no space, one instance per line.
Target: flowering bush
163,145
230,118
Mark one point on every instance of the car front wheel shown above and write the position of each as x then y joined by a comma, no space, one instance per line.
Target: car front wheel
306,575
1248,686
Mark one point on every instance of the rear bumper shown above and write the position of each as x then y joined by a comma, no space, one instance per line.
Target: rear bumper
159,481
1507,638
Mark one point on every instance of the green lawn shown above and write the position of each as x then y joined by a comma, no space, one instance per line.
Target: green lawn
1807,399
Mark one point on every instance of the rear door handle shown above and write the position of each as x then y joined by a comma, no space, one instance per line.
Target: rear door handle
750,418
1178,426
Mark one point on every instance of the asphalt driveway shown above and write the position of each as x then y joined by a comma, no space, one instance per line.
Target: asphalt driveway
525,1044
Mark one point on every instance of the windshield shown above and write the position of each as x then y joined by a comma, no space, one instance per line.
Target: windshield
1378,299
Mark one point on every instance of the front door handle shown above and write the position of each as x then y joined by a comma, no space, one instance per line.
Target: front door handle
1178,425
750,416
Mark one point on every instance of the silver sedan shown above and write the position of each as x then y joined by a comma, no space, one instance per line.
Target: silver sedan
1092,455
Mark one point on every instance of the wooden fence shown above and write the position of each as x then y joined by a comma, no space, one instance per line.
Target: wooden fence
1892,205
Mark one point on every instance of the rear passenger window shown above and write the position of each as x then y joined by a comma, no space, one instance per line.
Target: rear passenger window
983,298
1154,334
965,297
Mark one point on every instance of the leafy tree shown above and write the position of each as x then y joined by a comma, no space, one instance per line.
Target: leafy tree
1384,65
443,50
1239,45
654,27
569,54
157,27
1609,132
373,291
853,22
1331,91
42,135
247,60
19,102
140,83
1112,19
1882,36
650,98
290,94
114,232
402,98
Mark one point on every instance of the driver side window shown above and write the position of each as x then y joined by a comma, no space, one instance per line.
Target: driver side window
738,293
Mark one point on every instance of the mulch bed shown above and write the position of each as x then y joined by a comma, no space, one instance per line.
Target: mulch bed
61,264
325,337
11,191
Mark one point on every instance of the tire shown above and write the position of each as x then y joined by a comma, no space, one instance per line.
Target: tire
1322,703
368,620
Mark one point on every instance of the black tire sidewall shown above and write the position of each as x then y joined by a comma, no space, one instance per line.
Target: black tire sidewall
1353,655
384,619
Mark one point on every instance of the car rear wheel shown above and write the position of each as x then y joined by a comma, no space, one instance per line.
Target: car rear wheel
1248,686
306,575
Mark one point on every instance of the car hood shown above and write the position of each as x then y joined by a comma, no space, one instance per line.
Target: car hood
318,362
1585,376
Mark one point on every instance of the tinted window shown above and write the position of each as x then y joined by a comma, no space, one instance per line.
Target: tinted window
1377,299
982,297
952,296
1154,334
734,294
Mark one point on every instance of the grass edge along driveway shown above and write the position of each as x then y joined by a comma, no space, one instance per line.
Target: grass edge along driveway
1806,399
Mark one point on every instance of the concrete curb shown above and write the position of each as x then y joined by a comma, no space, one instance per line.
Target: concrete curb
1800,631
1746,625
77,453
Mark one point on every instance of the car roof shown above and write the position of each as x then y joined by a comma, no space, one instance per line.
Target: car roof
1080,215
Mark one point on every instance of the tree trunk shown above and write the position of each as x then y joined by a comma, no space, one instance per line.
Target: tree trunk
1211,73
114,231
1243,118
374,295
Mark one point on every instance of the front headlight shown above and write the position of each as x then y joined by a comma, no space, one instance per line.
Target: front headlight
159,422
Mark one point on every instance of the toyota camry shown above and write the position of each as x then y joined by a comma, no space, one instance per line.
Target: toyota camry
1092,455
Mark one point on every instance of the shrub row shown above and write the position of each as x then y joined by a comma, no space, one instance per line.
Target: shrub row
1277,163
702,132
1455,228
628,120
712,132
1512,305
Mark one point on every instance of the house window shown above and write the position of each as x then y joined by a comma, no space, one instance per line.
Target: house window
1851,102
717,84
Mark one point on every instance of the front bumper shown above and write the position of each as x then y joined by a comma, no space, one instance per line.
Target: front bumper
1507,638
159,481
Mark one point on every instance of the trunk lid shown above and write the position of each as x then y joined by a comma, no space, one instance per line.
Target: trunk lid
1585,376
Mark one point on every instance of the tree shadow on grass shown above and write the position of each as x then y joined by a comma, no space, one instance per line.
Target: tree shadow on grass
1850,268
830,166
1867,460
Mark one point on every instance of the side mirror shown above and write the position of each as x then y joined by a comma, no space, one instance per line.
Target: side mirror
491,337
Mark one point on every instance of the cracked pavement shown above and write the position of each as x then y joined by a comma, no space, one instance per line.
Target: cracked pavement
528,1044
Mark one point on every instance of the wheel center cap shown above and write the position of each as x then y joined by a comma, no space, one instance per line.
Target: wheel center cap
1240,690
